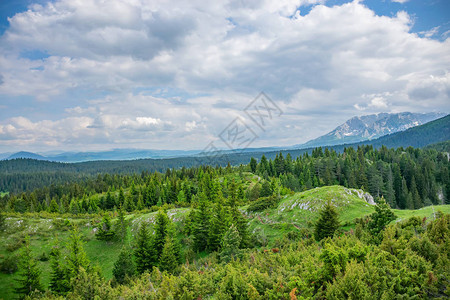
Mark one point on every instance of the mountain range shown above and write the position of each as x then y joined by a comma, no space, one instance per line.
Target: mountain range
377,128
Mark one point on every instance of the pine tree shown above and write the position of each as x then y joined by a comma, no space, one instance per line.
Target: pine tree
54,207
120,199
105,232
218,224
266,190
253,164
109,202
328,222
169,256
382,216
230,244
144,254
124,266
29,273
140,203
58,275
200,224
129,203
2,222
121,226
77,256
162,223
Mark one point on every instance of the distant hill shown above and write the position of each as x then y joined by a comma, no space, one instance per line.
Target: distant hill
371,127
442,146
24,154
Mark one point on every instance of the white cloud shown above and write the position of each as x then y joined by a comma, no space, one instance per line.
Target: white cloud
177,72
400,1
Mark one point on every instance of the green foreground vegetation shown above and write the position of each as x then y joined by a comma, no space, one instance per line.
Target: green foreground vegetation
293,218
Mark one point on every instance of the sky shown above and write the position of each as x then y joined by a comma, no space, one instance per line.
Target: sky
91,75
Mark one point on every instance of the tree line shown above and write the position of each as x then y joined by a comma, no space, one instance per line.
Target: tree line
407,178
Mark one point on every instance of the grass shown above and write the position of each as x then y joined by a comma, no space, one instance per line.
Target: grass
294,212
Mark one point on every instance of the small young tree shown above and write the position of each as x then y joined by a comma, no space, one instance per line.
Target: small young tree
77,256
121,226
382,216
328,222
169,256
124,266
230,244
29,273
2,222
54,207
105,232
58,274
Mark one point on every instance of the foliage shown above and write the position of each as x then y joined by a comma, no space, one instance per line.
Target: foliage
124,266
144,253
328,222
29,272
230,244
105,232
382,216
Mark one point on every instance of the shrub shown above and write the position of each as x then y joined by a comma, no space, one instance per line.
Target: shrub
9,264
263,203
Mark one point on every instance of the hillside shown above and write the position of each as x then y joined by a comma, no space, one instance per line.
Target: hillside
369,127
294,213
420,136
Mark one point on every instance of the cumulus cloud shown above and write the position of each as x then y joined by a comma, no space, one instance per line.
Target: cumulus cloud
175,73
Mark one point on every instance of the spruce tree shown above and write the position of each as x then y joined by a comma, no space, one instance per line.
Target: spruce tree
169,256
105,232
29,273
230,244
200,224
121,226
253,164
77,256
328,222
143,254
218,224
124,266
58,275
382,216
54,207
161,228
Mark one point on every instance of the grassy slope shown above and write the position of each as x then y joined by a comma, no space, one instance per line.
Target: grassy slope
294,212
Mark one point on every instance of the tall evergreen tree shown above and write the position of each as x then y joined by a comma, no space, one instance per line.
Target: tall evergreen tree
169,257
76,258
29,273
200,224
230,244
218,224
328,222
162,223
144,254
121,226
59,283
124,266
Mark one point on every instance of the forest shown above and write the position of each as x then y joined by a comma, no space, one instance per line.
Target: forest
361,224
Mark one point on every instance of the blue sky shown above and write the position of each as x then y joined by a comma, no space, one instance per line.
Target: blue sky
96,75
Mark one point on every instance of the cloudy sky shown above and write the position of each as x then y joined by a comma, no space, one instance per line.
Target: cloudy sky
172,74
